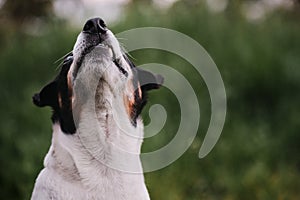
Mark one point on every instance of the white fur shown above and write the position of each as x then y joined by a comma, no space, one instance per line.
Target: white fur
101,160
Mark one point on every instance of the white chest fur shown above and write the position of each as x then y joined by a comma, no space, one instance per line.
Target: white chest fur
73,172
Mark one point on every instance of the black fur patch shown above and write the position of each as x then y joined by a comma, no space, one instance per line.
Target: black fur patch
58,96
146,81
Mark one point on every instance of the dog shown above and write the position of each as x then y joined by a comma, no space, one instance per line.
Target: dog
96,99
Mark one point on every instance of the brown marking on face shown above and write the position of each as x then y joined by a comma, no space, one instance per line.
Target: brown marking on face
139,90
59,100
129,100
69,82
70,87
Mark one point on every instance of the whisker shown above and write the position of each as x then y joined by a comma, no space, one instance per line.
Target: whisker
61,60
131,56
121,38
63,57
126,52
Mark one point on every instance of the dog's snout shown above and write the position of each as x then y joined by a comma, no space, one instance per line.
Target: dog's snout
95,26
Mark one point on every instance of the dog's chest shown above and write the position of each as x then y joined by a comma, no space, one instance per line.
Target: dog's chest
71,172
111,187
95,182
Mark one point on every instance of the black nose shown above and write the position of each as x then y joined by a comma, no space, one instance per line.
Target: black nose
95,26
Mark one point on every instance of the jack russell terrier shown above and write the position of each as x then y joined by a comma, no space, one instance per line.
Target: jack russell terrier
97,99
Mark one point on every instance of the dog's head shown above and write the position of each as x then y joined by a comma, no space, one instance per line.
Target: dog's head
97,68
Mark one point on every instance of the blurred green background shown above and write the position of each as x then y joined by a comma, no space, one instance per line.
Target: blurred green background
256,46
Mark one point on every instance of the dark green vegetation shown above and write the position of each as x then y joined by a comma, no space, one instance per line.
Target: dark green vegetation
257,156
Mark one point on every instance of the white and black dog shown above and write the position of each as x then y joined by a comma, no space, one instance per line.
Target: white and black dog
97,133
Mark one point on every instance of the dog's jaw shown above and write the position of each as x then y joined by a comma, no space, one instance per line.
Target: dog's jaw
86,49
99,60
100,75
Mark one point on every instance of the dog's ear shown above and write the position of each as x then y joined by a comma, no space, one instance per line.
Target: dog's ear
47,96
148,80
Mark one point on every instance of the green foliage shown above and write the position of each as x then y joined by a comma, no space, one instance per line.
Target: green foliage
27,63
257,156
24,11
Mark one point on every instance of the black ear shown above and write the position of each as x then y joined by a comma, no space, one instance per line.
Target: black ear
148,80
47,96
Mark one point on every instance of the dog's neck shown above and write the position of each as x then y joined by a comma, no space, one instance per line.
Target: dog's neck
101,152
